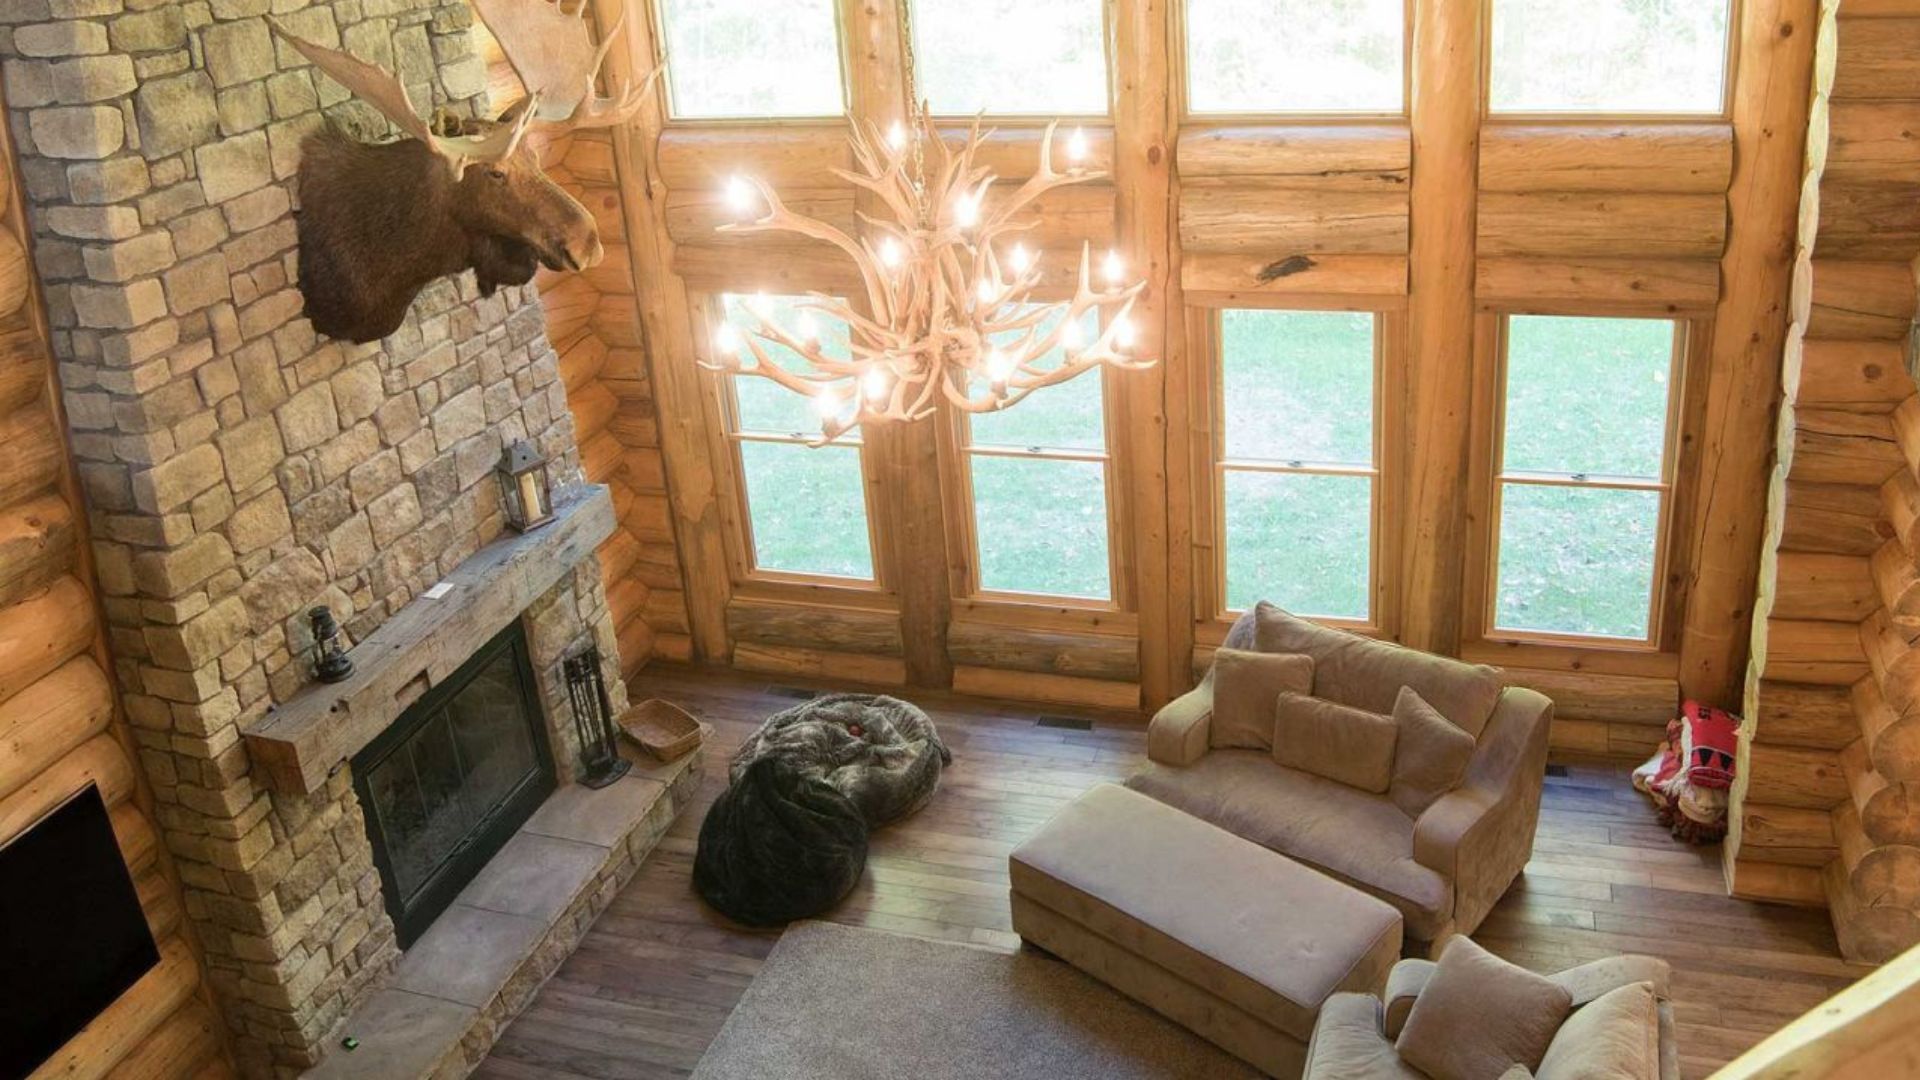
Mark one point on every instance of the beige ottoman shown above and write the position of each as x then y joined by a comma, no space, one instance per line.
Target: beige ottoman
1237,943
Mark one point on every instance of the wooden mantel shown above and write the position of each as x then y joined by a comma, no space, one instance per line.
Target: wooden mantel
299,744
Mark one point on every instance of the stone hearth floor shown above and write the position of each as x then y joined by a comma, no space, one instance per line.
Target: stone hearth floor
482,960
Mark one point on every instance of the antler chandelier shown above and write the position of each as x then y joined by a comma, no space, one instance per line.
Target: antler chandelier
950,310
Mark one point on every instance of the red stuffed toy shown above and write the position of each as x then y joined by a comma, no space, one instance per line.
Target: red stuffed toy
1688,778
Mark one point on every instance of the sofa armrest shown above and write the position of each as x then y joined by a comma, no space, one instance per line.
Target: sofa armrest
1348,1043
1404,984
1480,835
1178,733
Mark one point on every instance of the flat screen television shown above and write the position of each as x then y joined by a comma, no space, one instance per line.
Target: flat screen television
72,935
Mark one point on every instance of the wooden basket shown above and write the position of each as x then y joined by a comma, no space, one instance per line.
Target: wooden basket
663,729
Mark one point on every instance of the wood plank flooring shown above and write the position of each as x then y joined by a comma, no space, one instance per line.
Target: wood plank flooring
658,974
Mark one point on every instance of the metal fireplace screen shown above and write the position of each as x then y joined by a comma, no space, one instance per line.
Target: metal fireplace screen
444,788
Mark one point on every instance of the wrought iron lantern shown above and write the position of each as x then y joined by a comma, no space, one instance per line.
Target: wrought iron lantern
600,760
524,493
330,660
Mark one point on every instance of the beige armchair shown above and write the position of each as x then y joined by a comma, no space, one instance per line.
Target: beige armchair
1354,1037
1443,871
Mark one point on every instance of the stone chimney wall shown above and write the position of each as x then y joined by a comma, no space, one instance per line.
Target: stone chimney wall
238,469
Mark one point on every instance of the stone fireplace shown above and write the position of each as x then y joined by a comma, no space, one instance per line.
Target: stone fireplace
238,471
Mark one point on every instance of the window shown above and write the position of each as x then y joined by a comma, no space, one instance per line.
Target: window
1584,474
1296,56
748,58
1011,57
1622,56
1038,476
806,510
1295,451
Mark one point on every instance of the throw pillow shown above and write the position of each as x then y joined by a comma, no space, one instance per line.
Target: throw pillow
1431,758
1339,742
1480,1015
1616,1036
1244,685
1368,674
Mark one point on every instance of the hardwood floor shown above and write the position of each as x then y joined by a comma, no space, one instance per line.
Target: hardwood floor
658,974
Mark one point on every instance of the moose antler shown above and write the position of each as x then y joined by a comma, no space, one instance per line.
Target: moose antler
555,57
383,91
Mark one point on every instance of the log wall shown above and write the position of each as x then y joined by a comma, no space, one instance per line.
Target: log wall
1825,811
60,727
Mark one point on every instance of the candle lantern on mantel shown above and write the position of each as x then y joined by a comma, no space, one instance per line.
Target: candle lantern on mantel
330,660
523,486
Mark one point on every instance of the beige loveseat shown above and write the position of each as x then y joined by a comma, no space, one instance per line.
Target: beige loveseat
1444,871
1354,1036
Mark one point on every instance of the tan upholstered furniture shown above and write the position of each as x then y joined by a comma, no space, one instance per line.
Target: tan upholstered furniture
1216,933
1443,870
1354,1039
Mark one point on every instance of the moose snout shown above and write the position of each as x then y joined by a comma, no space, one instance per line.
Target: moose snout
582,254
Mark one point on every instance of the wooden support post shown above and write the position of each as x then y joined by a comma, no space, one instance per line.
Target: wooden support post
907,455
1447,81
666,320
1145,130
1770,108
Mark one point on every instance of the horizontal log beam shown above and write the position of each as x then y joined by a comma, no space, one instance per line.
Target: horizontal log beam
1866,375
1796,714
1374,157
1228,279
1584,224
1584,695
1786,834
1832,588
1834,446
860,668
837,629
1626,285
1682,158
1844,519
1861,300
1091,656
47,720
1242,220
1795,776
1804,651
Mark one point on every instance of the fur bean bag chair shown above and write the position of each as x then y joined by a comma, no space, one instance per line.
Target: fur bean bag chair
778,845
878,751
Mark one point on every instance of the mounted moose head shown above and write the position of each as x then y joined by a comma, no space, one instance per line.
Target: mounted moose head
378,221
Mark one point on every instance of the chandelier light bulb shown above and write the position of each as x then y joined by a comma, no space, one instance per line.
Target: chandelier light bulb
1077,146
739,195
890,253
1020,259
1123,332
999,366
897,135
760,304
809,329
1115,268
826,403
984,290
966,211
876,384
1070,335
726,340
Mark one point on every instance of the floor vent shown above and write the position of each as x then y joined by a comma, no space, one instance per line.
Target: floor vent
1066,723
797,693
1556,770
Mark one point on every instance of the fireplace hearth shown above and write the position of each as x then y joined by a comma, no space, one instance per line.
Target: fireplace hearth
445,787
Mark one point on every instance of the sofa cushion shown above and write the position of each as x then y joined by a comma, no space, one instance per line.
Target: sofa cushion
1244,686
1333,740
1431,757
1247,926
1615,1037
1480,1015
1368,674
1358,837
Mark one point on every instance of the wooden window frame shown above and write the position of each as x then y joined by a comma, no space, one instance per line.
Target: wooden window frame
957,452
1180,88
1657,654
730,481
1207,445
656,15
1606,117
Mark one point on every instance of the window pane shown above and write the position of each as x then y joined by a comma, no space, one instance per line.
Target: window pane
764,405
1301,540
1064,416
1637,56
1042,525
1588,395
1576,560
1298,385
1255,56
1011,57
808,509
752,58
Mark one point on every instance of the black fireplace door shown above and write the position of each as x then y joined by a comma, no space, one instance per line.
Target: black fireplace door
444,787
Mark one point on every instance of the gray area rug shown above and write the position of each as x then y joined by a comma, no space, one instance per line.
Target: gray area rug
842,1003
